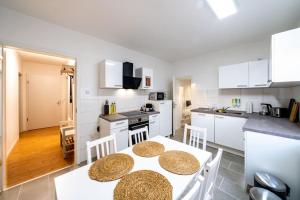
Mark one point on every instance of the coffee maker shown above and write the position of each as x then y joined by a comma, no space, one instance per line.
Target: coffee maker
266,109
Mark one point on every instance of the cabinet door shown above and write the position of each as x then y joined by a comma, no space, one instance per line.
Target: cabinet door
285,56
233,76
204,120
121,137
259,73
228,131
165,109
114,74
154,121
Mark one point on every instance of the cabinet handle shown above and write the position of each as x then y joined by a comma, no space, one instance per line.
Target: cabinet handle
260,85
119,123
152,122
125,129
162,103
154,116
239,86
219,117
201,114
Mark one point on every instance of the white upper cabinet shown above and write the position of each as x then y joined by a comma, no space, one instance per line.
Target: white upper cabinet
111,74
147,77
286,56
259,73
234,76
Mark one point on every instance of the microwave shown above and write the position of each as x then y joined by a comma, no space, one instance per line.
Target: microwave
157,96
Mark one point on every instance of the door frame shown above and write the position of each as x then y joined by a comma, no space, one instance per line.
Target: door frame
174,92
3,45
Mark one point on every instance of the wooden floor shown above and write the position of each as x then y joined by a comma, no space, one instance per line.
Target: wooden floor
37,152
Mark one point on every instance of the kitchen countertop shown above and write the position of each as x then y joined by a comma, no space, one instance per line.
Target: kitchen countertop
119,116
263,124
113,118
273,126
228,112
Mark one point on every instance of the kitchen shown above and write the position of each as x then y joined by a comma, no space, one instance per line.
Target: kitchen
207,91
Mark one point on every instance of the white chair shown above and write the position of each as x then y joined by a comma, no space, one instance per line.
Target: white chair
138,135
196,134
203,187
104,144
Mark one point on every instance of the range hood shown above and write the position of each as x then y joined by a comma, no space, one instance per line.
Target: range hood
129,81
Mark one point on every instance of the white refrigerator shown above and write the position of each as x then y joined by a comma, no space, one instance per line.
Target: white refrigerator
165,109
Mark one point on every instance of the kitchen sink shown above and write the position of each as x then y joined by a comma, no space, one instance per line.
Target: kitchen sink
230,112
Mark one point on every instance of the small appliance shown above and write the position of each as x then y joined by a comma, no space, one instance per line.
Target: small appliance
157,96
279,112
147,108
266,109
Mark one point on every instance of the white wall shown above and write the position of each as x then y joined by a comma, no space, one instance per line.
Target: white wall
27,32
204,73
296,93
35,68
13,67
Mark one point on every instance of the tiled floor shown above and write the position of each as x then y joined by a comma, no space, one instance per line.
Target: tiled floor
229,182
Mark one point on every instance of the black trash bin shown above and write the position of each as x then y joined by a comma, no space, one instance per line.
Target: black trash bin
256,193
272,183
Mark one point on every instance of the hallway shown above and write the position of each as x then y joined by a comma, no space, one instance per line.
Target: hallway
37,152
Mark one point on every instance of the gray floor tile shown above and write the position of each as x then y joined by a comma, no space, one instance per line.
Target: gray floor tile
225,163
219,180
220,195
237,167
232,176
11,194
232,157
234,190
36,190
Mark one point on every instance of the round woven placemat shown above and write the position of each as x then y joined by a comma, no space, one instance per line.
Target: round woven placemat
143,184
179,162
148,149
111,167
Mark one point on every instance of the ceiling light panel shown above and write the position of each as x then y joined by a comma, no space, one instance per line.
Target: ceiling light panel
222,8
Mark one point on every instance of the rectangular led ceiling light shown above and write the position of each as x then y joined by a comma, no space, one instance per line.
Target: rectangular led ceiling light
222,8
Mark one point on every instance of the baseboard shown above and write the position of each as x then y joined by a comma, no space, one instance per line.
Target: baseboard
11,147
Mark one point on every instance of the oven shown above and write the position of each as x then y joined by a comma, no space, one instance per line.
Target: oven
137,123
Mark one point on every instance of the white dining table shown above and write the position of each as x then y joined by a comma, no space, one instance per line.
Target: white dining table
77,184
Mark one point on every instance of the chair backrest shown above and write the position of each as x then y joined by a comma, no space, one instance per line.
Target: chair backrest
196,134
105,147
195,191
210,176
138,135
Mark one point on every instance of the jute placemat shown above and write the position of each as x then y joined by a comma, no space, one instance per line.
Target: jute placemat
179,162
148,149
145,185
111,167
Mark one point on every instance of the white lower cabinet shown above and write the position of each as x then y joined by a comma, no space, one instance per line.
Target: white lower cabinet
154,125
119,128
205,120
228,131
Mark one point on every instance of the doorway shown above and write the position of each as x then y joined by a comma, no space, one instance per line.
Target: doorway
182,96
39,128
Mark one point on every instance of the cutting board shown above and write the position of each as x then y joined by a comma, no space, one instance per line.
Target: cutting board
294,112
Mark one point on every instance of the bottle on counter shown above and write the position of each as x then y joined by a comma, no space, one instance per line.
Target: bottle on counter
106,108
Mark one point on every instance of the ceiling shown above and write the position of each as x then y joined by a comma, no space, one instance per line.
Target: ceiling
43,58
168,29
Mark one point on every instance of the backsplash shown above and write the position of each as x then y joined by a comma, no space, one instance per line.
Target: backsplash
277,97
